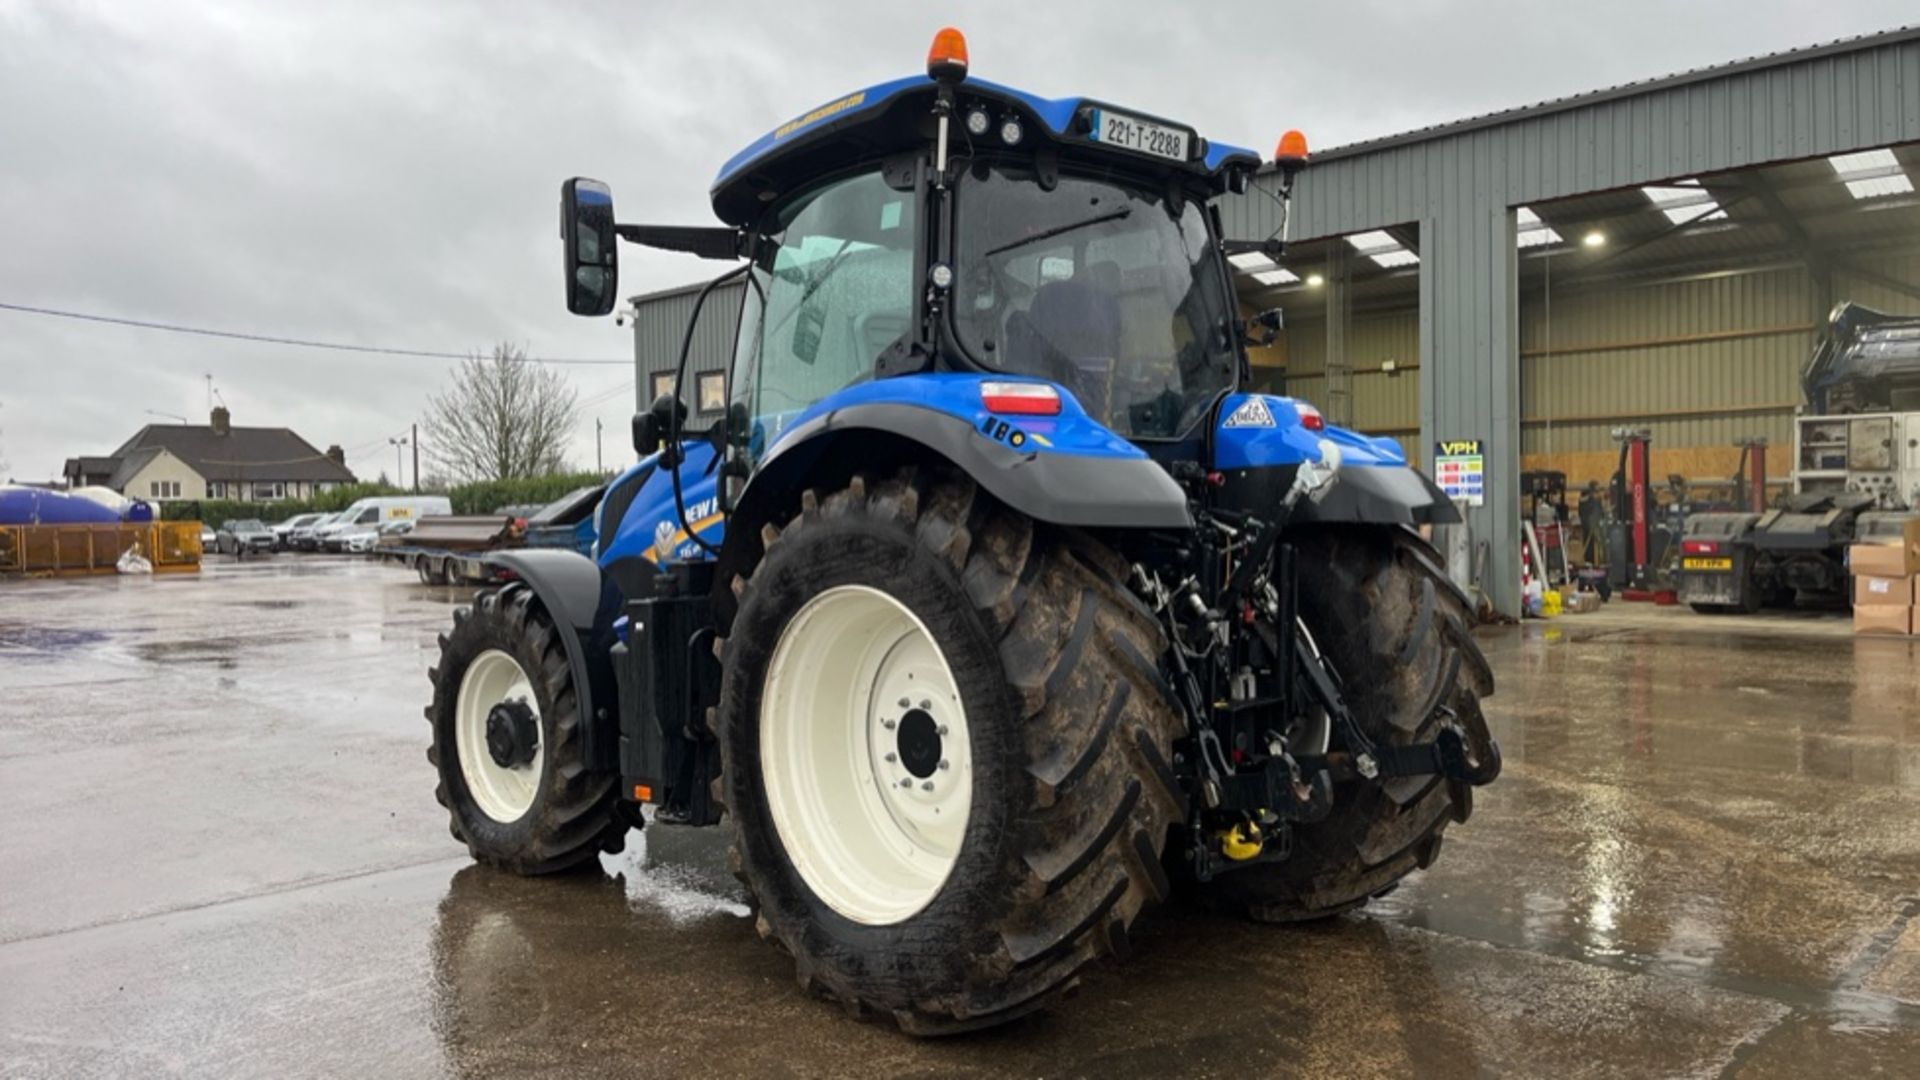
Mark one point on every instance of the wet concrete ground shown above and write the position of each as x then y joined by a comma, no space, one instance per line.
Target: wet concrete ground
220,856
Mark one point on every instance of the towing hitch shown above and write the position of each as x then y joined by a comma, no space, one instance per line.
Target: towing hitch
1449,755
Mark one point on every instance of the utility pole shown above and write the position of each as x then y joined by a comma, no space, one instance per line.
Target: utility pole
416,459
599,465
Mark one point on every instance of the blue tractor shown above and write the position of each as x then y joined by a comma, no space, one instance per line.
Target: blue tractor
994,610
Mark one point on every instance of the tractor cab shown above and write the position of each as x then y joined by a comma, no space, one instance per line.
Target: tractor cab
939,224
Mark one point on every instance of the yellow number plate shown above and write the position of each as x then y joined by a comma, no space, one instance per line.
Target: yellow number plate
1706,564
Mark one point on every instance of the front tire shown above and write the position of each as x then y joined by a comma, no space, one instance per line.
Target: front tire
507,741
1034,850
1396,632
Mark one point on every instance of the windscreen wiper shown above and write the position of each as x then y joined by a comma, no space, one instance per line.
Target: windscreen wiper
1048,234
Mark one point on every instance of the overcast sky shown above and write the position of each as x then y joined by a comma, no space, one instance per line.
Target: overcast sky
387,173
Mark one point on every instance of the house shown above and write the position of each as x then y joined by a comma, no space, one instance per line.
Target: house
171,462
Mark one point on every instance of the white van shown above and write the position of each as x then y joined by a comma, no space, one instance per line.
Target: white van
377,511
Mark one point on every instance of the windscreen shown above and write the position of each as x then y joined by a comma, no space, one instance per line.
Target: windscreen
831,287
1099,285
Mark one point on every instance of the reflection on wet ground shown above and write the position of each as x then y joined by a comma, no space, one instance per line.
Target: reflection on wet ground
1704,858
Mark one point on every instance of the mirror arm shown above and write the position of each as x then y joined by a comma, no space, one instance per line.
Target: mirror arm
707,242
1272,247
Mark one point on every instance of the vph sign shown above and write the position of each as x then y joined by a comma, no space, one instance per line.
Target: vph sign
1460,469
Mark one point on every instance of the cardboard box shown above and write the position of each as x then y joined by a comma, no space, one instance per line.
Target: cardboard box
1883,619
1579,603
1877,591
1899,559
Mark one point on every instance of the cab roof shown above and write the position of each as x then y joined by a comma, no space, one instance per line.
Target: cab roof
897,115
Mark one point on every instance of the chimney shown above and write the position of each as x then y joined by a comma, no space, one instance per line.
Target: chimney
220,420
337,455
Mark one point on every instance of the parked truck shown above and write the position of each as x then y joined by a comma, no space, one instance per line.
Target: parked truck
1854,478
994,605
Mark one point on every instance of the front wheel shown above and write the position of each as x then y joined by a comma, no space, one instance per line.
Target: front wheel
945,752
508,743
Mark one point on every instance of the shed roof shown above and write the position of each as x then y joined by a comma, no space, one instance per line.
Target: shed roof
1623,90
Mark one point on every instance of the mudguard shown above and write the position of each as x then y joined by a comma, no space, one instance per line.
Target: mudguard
583,603
1261,440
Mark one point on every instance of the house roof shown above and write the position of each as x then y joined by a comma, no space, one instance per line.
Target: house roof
130,466
91,465
242,454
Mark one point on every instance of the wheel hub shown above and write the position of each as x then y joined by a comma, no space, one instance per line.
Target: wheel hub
919,743
513,734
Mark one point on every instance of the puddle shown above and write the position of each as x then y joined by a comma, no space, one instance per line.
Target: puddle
678,891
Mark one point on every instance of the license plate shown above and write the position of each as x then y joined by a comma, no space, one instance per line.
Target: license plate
1144,136
1707,564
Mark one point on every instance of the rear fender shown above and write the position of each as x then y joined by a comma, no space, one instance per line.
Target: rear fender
1018,460
583,603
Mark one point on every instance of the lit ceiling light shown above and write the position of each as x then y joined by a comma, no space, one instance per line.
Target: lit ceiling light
1276,276
1531,231
1382,248
1250,261
1594,239
1871,174
1685,202
1315,280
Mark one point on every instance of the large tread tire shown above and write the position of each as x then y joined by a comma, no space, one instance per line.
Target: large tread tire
1071,732
1397,633
572,819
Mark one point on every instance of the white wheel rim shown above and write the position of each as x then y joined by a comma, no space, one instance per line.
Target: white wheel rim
870,797
502,793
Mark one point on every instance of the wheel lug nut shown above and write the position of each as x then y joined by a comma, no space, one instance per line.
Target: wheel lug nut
906,703
927,786
925,704
891,758
943,764
941,730
908,782
888,724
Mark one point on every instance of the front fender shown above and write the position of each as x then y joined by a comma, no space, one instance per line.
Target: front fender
583,604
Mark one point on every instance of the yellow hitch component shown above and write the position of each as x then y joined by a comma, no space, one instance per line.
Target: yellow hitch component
1242,842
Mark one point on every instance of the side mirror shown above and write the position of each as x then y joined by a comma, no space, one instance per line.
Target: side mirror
1264,329
587,235
650,428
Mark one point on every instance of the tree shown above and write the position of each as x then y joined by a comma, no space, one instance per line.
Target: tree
500,418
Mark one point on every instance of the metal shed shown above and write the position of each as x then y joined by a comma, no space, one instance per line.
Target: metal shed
1456,188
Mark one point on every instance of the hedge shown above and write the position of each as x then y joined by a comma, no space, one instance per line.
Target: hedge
215,511
490,495
480,498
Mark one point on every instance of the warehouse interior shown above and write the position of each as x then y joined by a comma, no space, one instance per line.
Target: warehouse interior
1688,308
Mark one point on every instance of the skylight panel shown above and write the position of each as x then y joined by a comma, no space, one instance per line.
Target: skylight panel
1531,231
1685,203
1871,174
1380,246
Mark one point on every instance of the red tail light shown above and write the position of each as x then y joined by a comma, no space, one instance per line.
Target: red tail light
1699,547
1020,398
1310,417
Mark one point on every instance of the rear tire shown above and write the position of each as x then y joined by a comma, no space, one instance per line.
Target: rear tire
1382,610
1069,729
541,815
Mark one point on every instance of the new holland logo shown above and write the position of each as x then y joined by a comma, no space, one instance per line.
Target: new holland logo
1252,413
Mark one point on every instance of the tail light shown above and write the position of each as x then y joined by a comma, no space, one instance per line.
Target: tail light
1310,417
1699,547
1020,398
